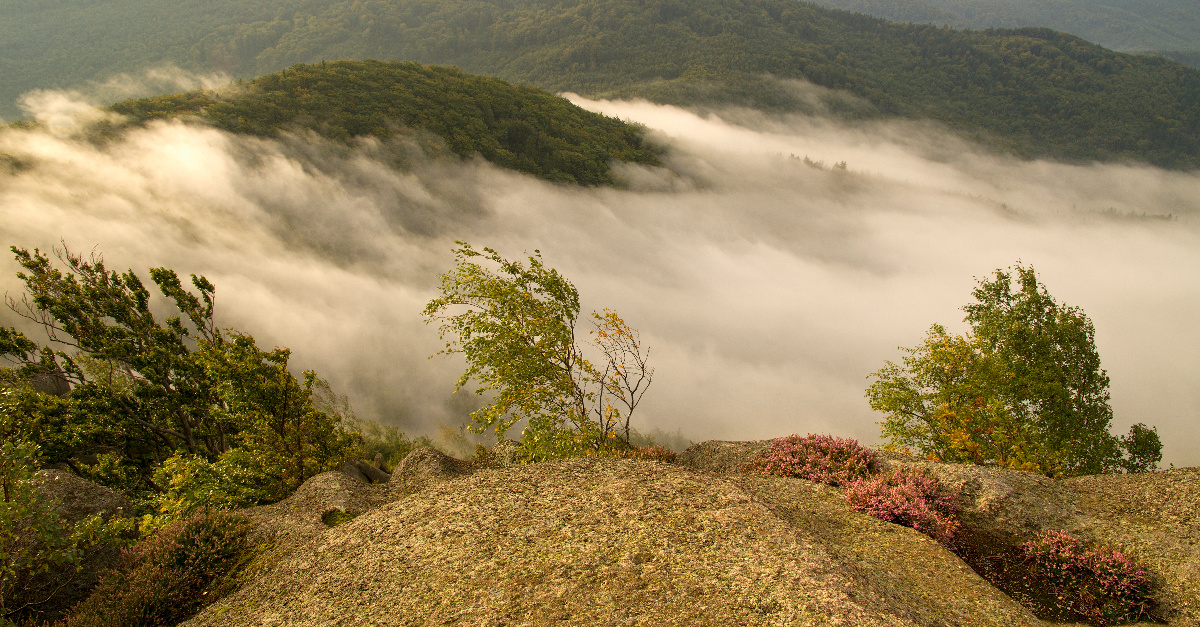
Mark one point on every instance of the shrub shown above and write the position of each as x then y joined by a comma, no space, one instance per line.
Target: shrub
820,458
39,546
655,453
169,575
1103,586
908,497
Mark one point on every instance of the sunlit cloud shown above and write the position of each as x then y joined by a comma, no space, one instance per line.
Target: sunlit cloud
767,287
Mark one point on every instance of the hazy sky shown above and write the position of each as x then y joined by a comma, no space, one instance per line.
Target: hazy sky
767,289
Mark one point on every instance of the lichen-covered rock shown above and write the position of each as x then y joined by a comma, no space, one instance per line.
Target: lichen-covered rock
427,465
350,469
1155,517
52,593
720,456
613,542
305,513
79,498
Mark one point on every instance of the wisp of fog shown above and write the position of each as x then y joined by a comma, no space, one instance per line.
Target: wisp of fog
770,265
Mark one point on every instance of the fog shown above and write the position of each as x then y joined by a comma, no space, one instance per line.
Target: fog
768,288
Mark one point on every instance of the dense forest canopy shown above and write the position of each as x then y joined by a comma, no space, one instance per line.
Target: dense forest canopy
1170,27
1033,91
517,127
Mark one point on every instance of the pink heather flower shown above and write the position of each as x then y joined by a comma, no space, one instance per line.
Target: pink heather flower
820,458
1106,586
908,497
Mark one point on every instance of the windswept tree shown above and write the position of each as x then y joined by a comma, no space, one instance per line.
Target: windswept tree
517,327
1024,389
143,391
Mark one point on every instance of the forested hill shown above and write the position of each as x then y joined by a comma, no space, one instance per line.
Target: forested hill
1035,92
1168,26
516,127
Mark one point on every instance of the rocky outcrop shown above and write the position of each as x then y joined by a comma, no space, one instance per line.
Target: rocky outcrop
309,510
604,541
613,541
427,465
79,498
365,472
49,595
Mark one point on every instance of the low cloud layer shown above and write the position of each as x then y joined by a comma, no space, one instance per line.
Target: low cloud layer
768,287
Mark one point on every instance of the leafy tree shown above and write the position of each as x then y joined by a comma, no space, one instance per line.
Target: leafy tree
1024,389
145,392
516,326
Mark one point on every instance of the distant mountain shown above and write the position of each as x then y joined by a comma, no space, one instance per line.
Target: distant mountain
517,127
1032,91
1168,26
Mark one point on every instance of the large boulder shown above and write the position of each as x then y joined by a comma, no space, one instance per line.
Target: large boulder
320,502
79,498
614,542
51,594
426,465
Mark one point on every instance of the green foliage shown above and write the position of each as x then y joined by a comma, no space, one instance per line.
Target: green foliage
236,480
170,575
657,436
385,440
1134,25
516,127
1031,91
516,326
1143,449
34,537
172,413
1023,390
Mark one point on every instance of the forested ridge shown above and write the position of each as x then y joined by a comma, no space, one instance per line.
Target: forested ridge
1171,27
1032,91
516,127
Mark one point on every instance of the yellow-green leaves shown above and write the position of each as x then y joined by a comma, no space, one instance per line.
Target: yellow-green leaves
1023,390
516,325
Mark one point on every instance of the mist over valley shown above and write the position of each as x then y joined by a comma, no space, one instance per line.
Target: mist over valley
771,261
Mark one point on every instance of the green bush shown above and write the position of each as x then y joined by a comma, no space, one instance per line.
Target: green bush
170,575
385,440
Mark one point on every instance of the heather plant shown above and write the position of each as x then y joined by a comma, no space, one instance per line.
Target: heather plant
1104,586
655,453
908,497
169,575
821,458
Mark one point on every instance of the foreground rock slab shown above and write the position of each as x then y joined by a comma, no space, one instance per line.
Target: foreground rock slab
615,542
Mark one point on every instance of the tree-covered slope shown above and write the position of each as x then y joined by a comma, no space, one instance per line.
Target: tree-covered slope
1036,92
1132,25
516,127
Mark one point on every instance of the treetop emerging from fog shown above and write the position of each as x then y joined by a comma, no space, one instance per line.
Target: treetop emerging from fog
1024,389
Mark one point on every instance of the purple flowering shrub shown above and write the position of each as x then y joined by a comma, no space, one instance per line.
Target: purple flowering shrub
169,575
820,458
1104,586
908,497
